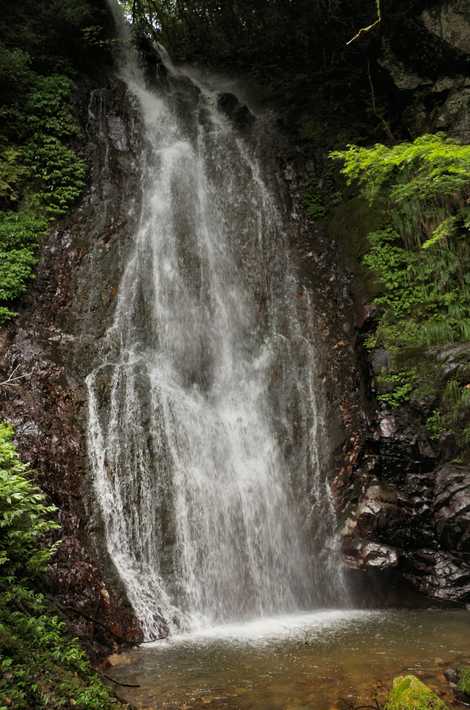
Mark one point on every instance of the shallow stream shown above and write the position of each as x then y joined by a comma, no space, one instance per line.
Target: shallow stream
326,660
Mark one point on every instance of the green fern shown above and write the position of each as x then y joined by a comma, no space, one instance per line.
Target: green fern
420,260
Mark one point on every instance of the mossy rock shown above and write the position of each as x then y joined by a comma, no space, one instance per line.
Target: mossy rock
463,684
409,693
349,224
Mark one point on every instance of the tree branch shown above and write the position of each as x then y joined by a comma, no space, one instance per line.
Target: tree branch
11,379
364,30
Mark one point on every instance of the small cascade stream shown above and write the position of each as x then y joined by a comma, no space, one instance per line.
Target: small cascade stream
206,431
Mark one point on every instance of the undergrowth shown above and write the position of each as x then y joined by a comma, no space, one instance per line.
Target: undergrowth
41,173
420,260
41,666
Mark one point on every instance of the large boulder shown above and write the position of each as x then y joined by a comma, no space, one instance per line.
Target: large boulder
409,693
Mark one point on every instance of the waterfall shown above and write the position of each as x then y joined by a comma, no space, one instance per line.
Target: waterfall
206,414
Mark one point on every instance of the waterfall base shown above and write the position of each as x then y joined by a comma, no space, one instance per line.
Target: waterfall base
319,660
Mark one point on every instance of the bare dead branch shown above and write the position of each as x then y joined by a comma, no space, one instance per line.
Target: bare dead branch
12,377
364,30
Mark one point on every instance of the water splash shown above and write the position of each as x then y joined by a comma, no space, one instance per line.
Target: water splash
205,434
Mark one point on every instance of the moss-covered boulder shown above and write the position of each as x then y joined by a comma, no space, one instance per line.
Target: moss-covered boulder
463,683
409,693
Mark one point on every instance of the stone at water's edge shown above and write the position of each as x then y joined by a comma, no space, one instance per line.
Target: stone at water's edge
463,683
405,505
409,693
412,517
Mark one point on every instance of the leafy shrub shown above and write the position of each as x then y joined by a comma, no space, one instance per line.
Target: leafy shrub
40,665
420,182
396,387
19,238
40,176
420,257
59,174
48,107
11,174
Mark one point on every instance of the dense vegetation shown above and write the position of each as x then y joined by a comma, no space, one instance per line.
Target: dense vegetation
420,258
419,255
43,48
40,665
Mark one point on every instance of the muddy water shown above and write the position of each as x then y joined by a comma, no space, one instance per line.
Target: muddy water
321,661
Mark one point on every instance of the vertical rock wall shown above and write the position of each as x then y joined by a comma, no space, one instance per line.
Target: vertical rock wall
49,346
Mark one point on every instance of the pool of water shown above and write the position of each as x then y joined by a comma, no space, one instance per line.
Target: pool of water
326,660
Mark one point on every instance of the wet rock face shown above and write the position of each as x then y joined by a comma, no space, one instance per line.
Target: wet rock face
239,114
451,508
450,21
404,511
403,500
52,343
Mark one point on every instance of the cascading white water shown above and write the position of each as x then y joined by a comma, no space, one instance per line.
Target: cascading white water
205,422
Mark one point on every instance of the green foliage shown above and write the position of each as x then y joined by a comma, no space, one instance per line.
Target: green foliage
41,176
19,237
48,107
40,665
420,257
24,516
314,205
434,425
430,167
58,175
409,693
455,406
11,174
396,387
44,46
463,684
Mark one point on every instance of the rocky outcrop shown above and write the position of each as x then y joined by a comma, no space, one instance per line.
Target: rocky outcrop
405,512
50,346
403,492
450,21
451,508
426,55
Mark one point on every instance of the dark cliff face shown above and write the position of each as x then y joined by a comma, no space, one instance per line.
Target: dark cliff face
407,515
403,495
51,343
403,508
